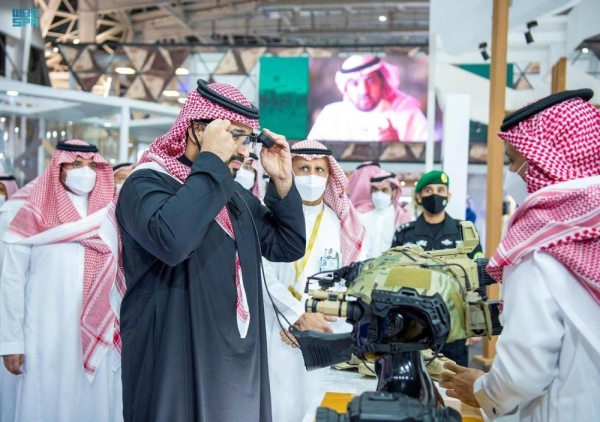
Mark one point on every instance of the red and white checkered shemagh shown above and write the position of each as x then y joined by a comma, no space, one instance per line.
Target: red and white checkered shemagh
257,190
48,206
353,232
131,167
402,214
166,150
561,143
25,191
359,186
10,185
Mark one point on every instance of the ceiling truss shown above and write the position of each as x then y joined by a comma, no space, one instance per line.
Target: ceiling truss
235,22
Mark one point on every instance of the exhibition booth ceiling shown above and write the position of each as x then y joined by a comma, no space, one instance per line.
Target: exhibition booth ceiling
235,23
149,50
283,55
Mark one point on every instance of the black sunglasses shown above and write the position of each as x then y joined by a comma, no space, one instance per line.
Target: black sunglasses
249,140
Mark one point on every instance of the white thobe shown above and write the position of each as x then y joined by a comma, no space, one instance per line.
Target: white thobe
548,357
293,389
8,382
41,297
342,121
380,226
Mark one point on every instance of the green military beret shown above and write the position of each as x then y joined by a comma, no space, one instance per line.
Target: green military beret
434,177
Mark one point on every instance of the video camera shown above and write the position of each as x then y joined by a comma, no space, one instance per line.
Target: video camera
375,406
400,303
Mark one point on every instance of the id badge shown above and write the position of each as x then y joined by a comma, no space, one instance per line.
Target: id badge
329,262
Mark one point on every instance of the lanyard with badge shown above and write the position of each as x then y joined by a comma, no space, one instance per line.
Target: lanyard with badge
299,266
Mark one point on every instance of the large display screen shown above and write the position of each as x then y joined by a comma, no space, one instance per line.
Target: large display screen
365,98
362,107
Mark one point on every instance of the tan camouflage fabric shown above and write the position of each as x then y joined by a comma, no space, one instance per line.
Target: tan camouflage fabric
402,267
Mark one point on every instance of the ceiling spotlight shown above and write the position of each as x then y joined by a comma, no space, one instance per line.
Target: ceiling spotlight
170,93
585,50
182,71
47,53
483,51
12,93
107,124
181,100
76,41
382,18
55,49
125,71
528,36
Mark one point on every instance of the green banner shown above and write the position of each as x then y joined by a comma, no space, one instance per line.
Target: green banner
283,95
483,70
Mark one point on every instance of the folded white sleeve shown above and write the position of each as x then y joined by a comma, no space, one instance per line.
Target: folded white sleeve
528,350
15,270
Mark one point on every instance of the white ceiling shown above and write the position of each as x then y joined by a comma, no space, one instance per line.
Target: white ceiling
235,22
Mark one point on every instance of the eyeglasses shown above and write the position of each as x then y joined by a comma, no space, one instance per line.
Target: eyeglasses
250,140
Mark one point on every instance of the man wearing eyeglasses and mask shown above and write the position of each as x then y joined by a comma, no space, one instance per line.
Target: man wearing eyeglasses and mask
192,319
434,229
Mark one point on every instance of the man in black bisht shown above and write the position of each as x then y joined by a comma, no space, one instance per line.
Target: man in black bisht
434,229
192,322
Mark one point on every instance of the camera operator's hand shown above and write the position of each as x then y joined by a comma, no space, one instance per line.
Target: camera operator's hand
13,363
472,341
308,321
459,384
277,162
288,338
315,322
218,140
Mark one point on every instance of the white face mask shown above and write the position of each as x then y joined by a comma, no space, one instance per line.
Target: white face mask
2,199
118,186
515,186
310,188
381,200
245,178
81,181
